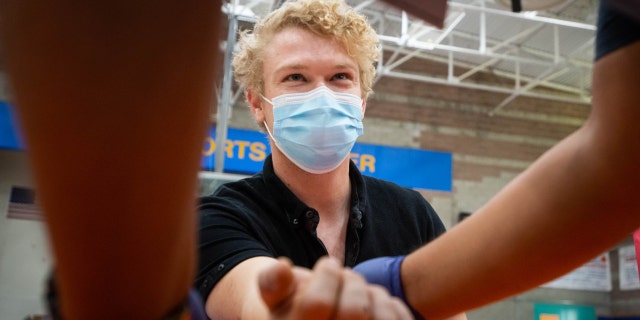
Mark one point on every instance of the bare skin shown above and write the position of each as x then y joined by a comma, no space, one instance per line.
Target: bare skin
103,89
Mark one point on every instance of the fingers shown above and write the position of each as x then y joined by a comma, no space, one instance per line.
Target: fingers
385,306
329,291
276,284
355,301
360,300
334,292
319,296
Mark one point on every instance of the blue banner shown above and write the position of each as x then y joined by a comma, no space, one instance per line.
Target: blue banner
245,150
9,138
412,168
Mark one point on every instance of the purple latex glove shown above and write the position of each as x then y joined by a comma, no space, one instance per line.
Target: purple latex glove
385,271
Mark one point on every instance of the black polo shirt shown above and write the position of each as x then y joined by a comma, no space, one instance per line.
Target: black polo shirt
260,216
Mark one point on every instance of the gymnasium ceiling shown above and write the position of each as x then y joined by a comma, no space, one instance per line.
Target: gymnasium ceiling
546,53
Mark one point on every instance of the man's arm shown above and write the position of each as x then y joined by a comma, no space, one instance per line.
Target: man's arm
237,295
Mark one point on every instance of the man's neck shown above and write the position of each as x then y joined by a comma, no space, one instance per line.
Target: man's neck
329,193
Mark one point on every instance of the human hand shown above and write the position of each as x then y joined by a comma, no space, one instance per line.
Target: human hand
385,271
329,291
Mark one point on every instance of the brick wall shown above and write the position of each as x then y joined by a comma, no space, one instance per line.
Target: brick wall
488,151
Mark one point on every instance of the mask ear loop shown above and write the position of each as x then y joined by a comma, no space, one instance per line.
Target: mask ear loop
265,122
266,99
268,131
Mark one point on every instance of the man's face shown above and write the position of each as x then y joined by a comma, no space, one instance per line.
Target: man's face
299,61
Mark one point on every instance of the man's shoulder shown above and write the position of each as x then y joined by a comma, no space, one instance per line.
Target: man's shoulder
249,184
241,191
381,192
380,185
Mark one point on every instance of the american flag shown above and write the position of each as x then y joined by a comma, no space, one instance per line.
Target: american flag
22,205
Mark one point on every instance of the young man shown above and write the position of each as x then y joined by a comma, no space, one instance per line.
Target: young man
307,69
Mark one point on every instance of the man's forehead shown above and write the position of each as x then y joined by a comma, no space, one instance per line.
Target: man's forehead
298,49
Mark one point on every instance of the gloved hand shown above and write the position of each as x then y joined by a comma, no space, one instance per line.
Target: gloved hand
385,271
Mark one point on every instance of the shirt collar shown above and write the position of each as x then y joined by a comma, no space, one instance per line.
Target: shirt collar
297,212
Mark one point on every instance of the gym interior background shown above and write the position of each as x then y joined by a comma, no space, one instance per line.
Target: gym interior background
493,89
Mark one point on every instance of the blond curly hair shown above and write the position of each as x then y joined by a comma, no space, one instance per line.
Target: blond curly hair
333,18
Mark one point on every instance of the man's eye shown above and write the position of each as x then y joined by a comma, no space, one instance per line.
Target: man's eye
341,76
295,77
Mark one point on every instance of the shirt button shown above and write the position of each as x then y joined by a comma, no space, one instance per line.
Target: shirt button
309,214
220,267
295,221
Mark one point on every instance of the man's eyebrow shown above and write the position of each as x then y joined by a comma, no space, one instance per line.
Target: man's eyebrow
290,67
294,67
346,66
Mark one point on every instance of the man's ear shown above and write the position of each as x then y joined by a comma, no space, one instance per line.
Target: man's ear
255,103
364,106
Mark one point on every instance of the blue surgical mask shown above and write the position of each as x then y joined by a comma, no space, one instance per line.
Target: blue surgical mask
317,129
